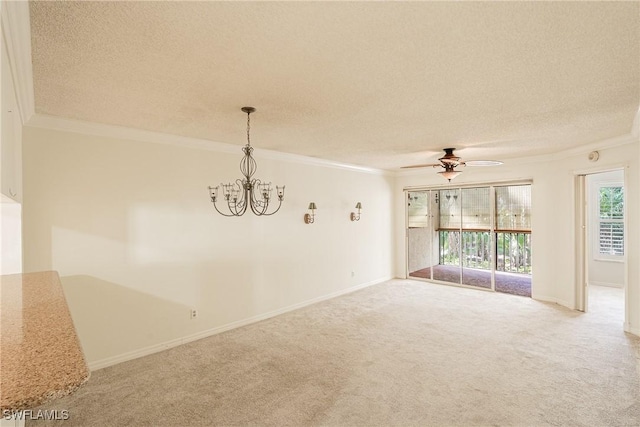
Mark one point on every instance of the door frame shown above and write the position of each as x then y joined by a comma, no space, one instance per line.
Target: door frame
582,237
582,272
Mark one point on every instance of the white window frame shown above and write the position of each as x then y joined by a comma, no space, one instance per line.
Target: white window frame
597,220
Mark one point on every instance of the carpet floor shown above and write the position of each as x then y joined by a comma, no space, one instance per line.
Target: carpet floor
509,283
400,353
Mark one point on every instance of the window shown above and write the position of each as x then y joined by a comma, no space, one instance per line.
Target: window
418,208
513,228
465,224
513,208
611,221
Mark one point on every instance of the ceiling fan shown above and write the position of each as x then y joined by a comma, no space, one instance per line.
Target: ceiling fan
450,161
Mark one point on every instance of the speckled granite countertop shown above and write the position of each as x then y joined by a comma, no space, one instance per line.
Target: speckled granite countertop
40,355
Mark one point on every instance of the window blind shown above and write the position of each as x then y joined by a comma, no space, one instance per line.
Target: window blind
418,208
450,209
513,208
476,208
611,238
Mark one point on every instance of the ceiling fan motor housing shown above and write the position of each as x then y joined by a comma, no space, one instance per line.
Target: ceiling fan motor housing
449,157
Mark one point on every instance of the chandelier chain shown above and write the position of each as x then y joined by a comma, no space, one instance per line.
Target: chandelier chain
248,128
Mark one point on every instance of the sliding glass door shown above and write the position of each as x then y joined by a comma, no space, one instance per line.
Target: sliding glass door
513,239
422,238
477,237
449,241
471,236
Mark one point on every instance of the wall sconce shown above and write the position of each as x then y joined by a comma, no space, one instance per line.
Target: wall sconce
309,218
355,217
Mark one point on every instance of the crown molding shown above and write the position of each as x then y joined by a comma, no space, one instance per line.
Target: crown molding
43,121
604,144
16,31
314,161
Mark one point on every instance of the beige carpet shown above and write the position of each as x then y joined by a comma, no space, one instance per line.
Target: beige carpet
403,353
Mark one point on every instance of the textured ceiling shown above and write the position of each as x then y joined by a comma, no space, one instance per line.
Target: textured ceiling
380,84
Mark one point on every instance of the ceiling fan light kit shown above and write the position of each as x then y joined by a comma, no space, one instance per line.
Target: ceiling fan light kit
449,173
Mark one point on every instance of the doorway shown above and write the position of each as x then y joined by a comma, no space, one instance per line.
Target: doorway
603,243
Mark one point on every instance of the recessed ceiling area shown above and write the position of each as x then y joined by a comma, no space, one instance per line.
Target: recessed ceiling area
377,84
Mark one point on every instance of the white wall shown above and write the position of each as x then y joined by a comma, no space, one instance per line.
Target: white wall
130,228
601,271
10,168
10,236
553,217
10,124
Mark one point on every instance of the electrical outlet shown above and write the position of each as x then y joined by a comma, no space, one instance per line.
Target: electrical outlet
194,313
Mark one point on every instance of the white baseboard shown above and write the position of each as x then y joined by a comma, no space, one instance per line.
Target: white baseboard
545,298
124,357
631,330
607,284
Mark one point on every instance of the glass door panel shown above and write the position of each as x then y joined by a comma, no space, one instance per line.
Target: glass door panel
449,236
476,237
513,239
421,234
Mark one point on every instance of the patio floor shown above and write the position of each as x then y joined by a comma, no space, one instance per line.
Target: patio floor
510,283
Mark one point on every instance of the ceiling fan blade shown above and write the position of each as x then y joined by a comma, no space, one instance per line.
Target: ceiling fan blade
432,165
481,163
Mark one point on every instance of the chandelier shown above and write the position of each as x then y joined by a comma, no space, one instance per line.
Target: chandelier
246,192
